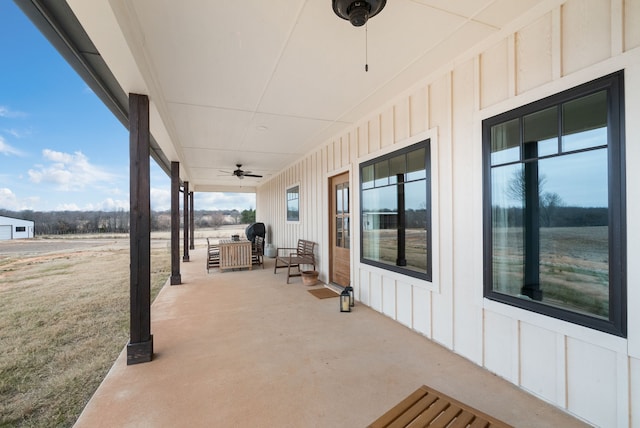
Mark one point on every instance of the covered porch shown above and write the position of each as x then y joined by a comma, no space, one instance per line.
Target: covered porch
278,98
243,348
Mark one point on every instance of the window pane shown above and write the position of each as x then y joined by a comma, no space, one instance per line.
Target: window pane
339,232
507,206
416,165
574,243
339,199
293,204
416,225
367,177
381,200
541,133
380,224
347,237
381,173
397,166
505,142
585,122
346,198
292,210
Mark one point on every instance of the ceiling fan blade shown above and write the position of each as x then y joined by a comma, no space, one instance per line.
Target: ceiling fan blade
252,175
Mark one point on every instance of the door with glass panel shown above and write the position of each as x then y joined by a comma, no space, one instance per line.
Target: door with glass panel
340,238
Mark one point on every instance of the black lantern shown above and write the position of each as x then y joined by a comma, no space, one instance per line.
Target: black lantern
349,288
345,305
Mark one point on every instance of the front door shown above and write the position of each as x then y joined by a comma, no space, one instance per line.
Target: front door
340,239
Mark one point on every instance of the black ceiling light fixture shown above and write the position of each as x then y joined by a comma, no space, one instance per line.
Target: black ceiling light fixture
357,12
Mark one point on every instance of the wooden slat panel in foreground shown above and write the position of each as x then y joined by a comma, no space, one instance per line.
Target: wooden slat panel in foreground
427,407
235,254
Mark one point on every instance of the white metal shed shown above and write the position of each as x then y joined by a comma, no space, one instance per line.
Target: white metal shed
15,228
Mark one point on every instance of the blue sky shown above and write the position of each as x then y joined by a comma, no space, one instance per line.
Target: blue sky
60,147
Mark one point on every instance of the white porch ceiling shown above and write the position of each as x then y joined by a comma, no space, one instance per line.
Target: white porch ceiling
261,83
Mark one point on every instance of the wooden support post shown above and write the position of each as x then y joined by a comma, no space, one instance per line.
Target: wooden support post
185,205
175,224
140,346
192,243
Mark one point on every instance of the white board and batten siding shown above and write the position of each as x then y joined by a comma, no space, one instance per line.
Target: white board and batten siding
559,45
14,228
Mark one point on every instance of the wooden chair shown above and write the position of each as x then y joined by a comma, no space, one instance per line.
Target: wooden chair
302,255
213,256
257,251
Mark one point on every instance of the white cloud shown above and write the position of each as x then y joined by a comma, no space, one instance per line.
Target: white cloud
161,199
9,201
106,205
6,112
110,205
224,201
8,150
69,171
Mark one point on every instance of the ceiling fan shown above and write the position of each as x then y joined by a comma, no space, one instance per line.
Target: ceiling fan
242,174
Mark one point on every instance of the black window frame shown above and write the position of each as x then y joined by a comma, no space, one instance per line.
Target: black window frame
428,275
617,322
21,228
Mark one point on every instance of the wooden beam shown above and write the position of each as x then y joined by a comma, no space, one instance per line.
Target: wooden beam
175,224
185,205
191,223
140,346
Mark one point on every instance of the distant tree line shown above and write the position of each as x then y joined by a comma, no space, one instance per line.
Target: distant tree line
74,222
560,216
552,210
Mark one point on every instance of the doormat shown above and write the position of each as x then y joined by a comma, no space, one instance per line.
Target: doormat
428,407
323,293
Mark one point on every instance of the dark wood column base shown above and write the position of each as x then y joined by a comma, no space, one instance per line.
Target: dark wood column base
140,352
185,258
176,279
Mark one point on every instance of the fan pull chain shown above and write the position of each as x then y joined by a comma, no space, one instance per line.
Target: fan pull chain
366,47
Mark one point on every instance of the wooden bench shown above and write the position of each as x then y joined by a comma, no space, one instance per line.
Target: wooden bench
294,257
427,407
213,256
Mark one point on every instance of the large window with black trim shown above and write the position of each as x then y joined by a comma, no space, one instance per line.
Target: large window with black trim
554,206
395,211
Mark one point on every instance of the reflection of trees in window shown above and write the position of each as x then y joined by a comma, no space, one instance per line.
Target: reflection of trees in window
548,202
293,203
395,211
554,228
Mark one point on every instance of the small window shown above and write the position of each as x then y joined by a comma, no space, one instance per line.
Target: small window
293,203
21,229
395,211
554,223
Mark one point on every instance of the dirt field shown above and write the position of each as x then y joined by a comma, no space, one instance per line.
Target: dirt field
64,318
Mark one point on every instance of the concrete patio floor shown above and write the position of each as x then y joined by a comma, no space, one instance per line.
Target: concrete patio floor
243,348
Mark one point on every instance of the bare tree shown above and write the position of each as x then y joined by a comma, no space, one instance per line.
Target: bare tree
548,201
